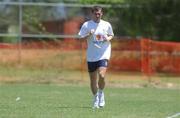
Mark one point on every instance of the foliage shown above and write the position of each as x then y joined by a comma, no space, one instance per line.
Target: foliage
102,1
157,19
8,15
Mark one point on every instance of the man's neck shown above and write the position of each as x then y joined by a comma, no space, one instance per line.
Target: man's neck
97,21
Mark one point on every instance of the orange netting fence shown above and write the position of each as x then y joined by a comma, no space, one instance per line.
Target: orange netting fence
146,56
160,57
143,55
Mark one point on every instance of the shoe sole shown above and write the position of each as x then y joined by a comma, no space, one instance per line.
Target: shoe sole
101,106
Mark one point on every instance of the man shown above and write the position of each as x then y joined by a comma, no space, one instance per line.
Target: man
98,34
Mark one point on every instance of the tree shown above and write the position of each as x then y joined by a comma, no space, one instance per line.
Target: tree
157,19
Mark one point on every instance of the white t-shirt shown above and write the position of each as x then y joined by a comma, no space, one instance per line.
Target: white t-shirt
98,49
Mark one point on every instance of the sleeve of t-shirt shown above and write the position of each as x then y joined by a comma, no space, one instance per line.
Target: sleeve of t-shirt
110,30
83,31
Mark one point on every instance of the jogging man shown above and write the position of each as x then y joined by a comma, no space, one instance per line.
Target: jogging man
98,34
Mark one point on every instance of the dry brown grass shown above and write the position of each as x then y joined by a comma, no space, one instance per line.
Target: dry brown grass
41,58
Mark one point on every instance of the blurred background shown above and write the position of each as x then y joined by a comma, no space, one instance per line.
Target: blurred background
39,43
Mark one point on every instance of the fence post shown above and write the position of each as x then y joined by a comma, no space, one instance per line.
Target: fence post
20,33
146,58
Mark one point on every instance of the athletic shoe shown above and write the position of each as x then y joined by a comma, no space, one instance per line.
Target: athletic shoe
101,99
96,102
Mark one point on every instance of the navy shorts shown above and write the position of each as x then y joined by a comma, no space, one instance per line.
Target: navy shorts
92,66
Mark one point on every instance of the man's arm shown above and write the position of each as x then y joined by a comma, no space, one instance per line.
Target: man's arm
110,37
88,35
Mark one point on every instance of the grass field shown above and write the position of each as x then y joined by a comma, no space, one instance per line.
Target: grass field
49,93
74,101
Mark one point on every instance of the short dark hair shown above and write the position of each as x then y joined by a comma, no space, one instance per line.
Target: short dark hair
96,8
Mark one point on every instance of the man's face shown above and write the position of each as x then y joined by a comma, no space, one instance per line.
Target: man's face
97,15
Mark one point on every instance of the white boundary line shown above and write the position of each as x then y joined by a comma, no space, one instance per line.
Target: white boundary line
173,116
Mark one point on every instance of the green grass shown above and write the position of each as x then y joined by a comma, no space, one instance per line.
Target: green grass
61,93
74,101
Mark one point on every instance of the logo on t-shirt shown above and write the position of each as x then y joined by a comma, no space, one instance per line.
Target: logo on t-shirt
98,37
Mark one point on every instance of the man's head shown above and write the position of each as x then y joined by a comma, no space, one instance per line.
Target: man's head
97,13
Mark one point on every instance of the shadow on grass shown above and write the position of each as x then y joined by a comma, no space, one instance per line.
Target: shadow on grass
74,107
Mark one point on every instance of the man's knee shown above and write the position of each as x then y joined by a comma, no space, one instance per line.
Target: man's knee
101,74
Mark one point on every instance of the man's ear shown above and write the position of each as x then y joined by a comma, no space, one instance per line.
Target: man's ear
101,13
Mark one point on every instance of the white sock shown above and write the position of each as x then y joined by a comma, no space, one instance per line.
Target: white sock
100,91
96,94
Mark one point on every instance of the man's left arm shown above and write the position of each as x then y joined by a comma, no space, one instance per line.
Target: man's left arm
109,36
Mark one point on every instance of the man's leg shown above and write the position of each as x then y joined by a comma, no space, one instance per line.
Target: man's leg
93,82
101,84
94,88
101,73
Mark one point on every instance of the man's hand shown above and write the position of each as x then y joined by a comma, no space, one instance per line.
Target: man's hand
107,38
91,32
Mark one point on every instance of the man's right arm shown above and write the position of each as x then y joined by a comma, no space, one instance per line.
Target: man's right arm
84,32
86,36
